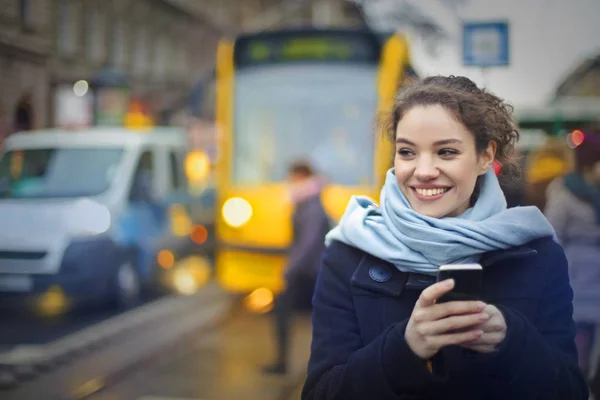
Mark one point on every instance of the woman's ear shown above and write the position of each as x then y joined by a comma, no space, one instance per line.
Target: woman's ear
486,159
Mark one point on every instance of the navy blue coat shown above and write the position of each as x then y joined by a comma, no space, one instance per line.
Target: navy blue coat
362,304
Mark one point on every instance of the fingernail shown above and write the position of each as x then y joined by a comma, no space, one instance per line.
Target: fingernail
484,317
481,305
450,282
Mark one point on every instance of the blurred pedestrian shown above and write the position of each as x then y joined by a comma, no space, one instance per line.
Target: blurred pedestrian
542,166
310,223
24,117
378,330
573,208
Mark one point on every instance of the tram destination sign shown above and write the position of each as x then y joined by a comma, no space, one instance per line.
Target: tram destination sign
310,46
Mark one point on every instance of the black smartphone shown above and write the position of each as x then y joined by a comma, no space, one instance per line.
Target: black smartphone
468,279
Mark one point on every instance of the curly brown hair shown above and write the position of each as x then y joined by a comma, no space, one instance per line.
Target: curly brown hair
485,115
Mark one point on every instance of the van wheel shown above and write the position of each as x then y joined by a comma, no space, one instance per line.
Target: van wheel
127,286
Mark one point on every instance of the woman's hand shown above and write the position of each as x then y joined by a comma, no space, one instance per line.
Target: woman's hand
433,326
494,332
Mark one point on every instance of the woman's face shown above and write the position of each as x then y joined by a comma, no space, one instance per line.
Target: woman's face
436,163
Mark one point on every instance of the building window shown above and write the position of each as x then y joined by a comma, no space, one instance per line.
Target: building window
25,14
182,59
161,56
141,51
94,35
119,47
66,35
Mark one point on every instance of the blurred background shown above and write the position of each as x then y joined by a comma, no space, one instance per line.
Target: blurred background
146,195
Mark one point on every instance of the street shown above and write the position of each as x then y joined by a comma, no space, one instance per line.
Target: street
203,346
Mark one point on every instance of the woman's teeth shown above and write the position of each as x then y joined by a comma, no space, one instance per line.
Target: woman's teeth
431,192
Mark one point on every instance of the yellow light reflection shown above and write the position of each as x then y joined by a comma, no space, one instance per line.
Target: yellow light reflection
52,303
181,223
259,301
184,282
137,119
191,274
166,259
197,165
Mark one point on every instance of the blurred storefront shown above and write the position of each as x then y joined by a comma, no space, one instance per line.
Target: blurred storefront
24,55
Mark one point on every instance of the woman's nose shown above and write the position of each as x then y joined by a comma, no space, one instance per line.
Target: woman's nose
426,170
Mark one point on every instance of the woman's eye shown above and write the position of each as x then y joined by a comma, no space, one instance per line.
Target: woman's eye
448,152
405,152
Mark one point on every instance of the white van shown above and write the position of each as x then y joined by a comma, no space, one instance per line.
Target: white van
84,210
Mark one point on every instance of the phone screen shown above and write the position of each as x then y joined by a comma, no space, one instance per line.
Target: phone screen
468,280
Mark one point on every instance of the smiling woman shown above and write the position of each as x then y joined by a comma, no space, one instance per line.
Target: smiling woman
376,313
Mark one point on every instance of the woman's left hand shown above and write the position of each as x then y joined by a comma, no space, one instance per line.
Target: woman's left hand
494,332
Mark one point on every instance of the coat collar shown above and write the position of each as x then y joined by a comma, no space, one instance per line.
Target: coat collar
519,252
379,276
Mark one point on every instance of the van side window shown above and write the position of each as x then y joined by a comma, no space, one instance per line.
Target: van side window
175,166
141,187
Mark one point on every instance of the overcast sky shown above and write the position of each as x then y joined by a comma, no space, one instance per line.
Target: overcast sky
548,38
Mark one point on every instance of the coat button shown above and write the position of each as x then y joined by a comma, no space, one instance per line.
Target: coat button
380,273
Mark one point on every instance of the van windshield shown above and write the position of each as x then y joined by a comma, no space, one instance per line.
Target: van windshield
58,172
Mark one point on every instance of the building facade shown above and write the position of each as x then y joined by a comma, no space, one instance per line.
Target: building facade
24,64
47,46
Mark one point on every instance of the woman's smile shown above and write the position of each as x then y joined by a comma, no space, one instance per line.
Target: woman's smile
430,193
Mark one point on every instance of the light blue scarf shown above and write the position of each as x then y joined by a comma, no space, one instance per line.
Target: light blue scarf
416,243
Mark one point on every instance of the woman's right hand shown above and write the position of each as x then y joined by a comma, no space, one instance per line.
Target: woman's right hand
433,326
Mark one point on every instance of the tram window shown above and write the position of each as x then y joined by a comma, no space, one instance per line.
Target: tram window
321,113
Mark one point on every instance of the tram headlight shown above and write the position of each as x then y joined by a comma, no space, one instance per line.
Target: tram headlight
236,212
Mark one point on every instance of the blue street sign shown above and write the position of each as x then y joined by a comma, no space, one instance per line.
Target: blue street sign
485,44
